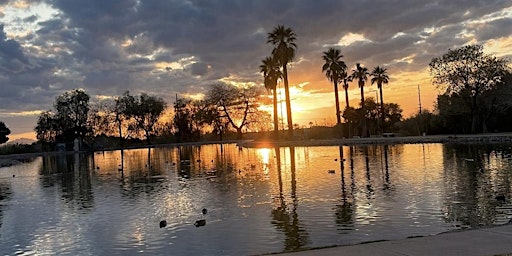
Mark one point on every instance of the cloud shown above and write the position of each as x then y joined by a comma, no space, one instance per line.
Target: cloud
12,58
495,29
107,47
199,69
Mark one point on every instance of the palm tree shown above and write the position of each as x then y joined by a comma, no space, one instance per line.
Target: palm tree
345,79
380,76
283,40
334,67
361,75
271,73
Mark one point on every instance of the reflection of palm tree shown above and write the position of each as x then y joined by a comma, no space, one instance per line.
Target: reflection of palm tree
380,76
294,180
344,210
386,162
387,184
283,219
352,173
334,67
361,75
368,178
271,73
283,40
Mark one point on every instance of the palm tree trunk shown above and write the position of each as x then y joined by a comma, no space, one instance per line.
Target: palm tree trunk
338,113
363,132
338,118
346,97
288,102
276,119
383,118
348,105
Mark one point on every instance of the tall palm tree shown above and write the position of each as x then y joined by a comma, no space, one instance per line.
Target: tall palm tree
334,67
283,40
380,76
271,74
361,75
345,79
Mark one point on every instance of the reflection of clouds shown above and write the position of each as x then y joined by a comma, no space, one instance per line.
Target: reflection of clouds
433,190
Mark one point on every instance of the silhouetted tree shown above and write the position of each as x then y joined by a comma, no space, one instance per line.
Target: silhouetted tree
4,131
380,76
237,106
145,110
72,113
47,127
184,128
468,72
283,40
334,68
110,117
345,79
271,74
69,121
360,74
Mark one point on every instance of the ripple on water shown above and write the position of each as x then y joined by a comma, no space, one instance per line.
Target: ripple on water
421,190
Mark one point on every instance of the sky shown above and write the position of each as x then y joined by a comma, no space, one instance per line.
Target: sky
169,47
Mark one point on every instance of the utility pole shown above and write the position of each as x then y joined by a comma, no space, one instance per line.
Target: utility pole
420,117
419,97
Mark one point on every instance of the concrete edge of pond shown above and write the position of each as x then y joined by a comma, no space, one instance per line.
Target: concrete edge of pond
472,242
13,159
473,138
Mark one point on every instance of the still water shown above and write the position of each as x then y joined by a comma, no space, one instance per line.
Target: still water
257,200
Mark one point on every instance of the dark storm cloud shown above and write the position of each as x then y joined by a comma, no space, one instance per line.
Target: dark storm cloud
12,58
494,29
199,69
107,47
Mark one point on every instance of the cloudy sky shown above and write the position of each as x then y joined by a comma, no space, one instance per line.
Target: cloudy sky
164,47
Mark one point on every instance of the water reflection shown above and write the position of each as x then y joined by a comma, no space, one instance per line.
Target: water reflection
285,217
345,208
258,200
485,198
72,173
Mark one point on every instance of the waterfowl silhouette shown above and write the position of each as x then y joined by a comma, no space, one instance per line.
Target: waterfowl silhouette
205,211
163,223
500,198
200,223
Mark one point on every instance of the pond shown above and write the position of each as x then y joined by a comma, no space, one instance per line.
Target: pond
256,201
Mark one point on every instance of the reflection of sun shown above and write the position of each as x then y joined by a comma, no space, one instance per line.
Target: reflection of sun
264,154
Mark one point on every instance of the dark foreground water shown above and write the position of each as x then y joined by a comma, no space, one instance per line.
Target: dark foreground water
257,200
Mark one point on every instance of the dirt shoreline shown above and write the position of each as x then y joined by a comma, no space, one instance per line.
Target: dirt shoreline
492,138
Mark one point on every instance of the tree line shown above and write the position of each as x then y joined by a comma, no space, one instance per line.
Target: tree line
133,118
274,68
476,98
